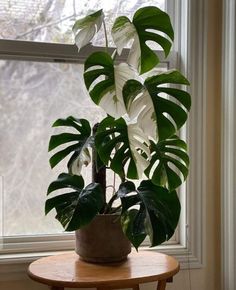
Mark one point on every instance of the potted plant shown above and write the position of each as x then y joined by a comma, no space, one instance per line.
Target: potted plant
137,140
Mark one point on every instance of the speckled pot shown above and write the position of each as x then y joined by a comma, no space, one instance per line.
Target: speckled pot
102,241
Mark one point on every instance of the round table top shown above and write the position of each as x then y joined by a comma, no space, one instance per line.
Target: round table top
67,270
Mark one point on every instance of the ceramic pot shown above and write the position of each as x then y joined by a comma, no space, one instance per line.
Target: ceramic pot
102,241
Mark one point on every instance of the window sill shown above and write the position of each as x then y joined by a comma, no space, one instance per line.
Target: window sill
14,266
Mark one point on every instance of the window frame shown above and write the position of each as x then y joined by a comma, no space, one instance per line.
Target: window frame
191,32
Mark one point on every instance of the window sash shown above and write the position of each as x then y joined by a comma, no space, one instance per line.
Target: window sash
50,52
37,243
53,52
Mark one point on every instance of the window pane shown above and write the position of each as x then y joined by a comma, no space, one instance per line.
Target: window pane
32,96
51,20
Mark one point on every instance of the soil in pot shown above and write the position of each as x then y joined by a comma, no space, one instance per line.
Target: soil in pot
102,241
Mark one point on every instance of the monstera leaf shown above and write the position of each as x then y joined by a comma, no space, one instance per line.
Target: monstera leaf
81,142
148,24
85,28
119,144
107,93
133,225
77,208
157,216
132,220
170,152
154,109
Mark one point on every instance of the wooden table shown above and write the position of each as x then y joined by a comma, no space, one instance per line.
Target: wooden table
67,270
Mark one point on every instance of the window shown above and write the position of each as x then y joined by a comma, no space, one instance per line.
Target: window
41,75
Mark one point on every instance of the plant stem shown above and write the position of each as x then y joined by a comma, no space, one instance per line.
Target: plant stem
98,174
114,54
105,34
109,205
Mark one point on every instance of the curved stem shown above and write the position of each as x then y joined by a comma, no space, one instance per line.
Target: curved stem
105,34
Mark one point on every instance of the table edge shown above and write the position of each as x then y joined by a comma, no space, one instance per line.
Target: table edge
113,283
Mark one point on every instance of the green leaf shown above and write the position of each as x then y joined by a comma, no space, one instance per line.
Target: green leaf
78,208
64,199
158,116
81,125
65,180
128,145
89,203
85,28
147,25
105,82
132,219
126,194
82,140
104,67
132,222
57,140
60,155
157,216
169,153
125,188
162,211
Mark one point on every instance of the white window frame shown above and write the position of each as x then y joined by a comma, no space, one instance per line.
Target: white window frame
191,31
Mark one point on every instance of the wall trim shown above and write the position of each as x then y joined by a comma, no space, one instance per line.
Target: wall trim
196,70
228,164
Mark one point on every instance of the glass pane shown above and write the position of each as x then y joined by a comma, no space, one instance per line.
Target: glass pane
51,20
32,96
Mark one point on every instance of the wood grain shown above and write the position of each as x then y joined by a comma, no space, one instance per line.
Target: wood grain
67,270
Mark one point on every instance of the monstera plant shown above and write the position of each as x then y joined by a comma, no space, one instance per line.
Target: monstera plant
138,140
